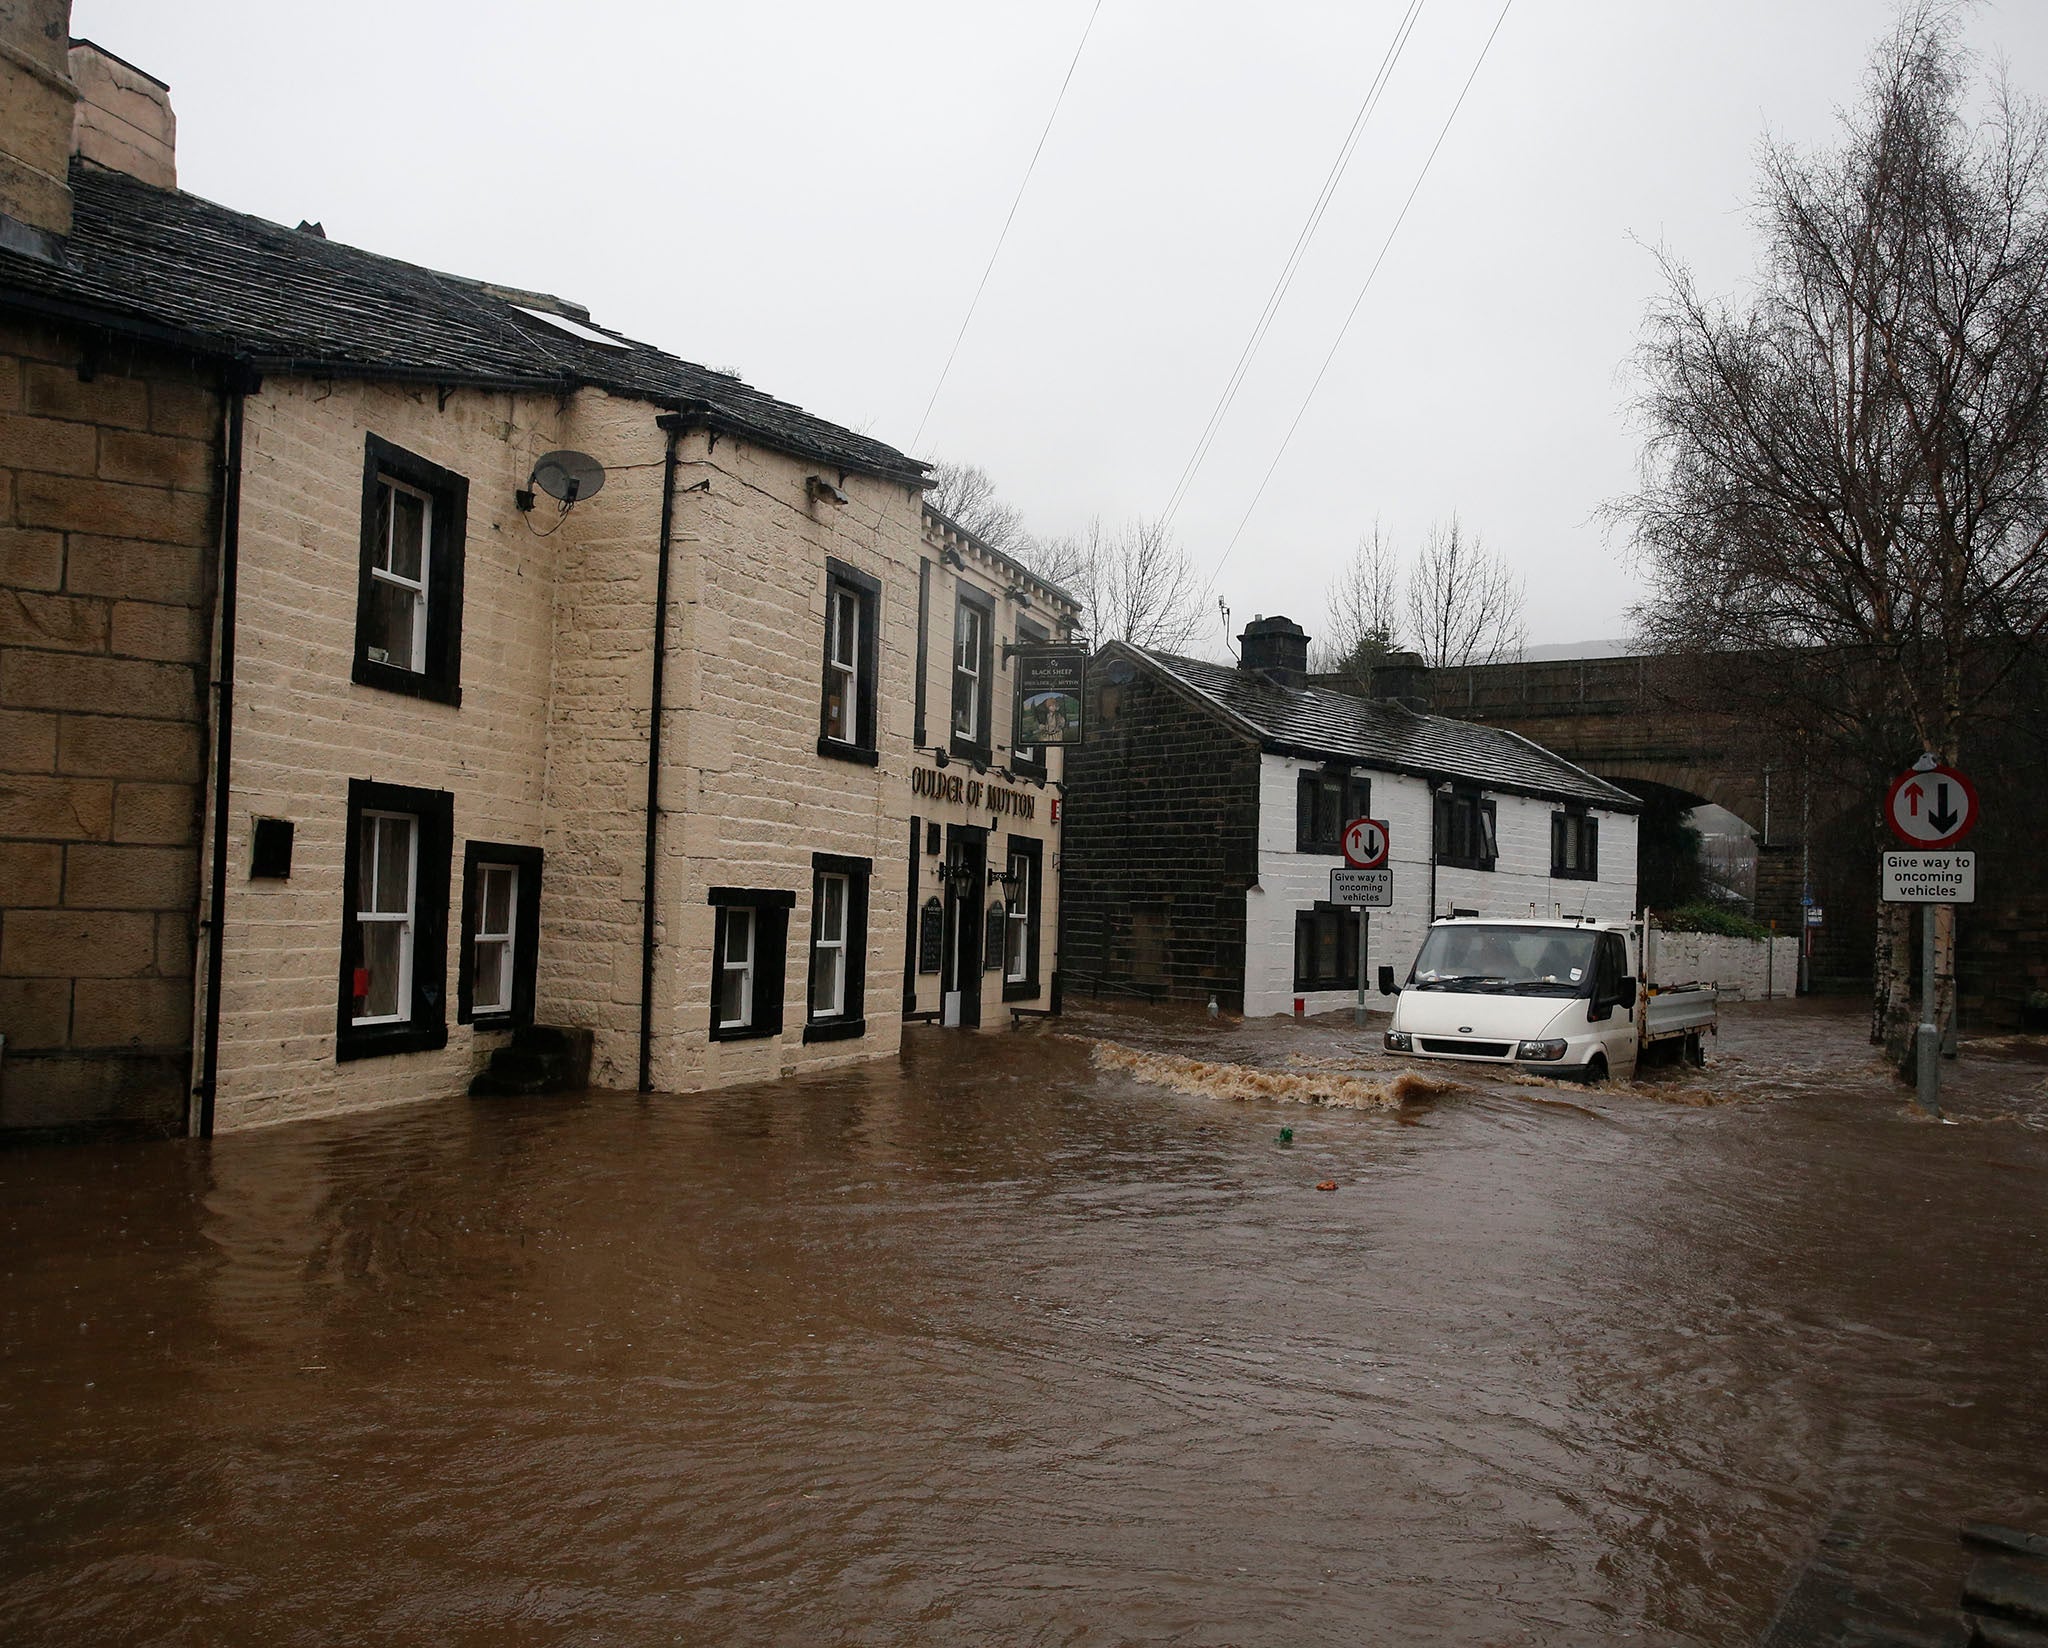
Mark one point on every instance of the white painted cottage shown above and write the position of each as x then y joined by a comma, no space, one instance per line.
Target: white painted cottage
1205,814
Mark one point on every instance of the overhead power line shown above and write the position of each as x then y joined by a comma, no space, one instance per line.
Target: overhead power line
1310,224
1352,313
975,301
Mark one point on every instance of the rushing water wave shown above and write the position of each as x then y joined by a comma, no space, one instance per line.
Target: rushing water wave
1001,1345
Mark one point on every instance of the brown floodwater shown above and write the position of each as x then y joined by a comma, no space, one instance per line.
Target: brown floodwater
1000,1345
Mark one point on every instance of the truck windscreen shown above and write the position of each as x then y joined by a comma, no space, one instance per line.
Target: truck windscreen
1511,961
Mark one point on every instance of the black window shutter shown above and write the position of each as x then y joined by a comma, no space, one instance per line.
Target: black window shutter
771,938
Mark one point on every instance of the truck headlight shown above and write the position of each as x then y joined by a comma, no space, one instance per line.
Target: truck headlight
1399,1041
1539,1049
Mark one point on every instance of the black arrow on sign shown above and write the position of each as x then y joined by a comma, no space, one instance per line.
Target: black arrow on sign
1942,818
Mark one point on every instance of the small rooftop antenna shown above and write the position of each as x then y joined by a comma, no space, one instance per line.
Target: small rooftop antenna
1223,607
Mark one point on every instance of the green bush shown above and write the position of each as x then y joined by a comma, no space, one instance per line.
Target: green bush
1710,918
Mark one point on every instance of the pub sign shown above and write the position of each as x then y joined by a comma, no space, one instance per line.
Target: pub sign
1050,683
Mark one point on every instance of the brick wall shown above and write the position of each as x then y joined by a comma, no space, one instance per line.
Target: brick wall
1160,843
107,522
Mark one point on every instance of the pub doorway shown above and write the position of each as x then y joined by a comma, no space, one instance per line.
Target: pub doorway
960,959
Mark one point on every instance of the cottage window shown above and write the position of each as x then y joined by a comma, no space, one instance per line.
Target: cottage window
839,940
748,940
387,873
394,921
1325,801
1574,846
846,727
500,934
828,949
1465,836
397,632
1325,948
409,596
973,622
1021,926
736,971
1030,758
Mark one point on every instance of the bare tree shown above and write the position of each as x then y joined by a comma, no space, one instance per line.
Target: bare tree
1134,582
1464,603
1364,620
966,495
1844,505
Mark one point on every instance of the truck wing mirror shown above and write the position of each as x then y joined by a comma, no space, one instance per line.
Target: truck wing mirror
1628,994
1387,985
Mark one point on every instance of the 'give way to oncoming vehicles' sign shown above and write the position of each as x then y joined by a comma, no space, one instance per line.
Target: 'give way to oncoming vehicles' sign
1367,889
1930,878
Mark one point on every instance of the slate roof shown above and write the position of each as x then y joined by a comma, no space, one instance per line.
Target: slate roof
1321,725
222,282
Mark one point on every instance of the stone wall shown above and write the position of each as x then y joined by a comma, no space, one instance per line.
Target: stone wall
1746,969
303,729
108,470
1160,844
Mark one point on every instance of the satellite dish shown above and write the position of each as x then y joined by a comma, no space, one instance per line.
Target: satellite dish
569,476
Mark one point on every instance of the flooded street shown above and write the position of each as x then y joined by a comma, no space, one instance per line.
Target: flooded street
1002,1346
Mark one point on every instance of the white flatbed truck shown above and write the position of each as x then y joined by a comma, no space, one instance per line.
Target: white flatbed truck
1555,997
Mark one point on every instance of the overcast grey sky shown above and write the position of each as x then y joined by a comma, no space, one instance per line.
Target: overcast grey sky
807,193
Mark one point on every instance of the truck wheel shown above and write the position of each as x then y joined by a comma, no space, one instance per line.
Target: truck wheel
1695,1052
1596,1069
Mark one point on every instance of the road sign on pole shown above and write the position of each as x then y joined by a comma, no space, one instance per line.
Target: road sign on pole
1931,807
1365,843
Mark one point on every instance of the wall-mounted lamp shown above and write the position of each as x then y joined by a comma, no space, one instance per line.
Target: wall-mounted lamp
823,490
949,556
1021,596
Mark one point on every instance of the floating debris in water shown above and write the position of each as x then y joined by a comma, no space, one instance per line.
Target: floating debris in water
1286,1135
1238,1081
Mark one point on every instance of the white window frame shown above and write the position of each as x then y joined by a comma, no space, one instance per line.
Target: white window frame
386,486
834,943
969,628
847,668
368,838
745,968
482,937
1017,926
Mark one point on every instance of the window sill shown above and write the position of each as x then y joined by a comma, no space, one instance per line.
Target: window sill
981,755
1027,990
835,1029
411,683
1485,864
378,1042
862,755
486,1022
752,1032
1327,849
1574,875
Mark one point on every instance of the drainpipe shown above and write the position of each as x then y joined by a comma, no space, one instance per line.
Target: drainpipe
1431,916
239,382
673,426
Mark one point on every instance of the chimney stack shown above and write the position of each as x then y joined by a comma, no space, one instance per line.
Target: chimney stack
36,101
1402,678
1276,648
124,118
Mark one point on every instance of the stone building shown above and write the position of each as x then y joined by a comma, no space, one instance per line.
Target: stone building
342,736
1203,817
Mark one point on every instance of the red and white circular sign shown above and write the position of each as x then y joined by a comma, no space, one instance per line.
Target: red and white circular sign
1365,843
1931,809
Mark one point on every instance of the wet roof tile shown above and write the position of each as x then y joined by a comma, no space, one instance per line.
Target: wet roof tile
287,299
1316,722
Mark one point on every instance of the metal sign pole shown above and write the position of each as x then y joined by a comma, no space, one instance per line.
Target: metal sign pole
1930,1037
1358,1012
